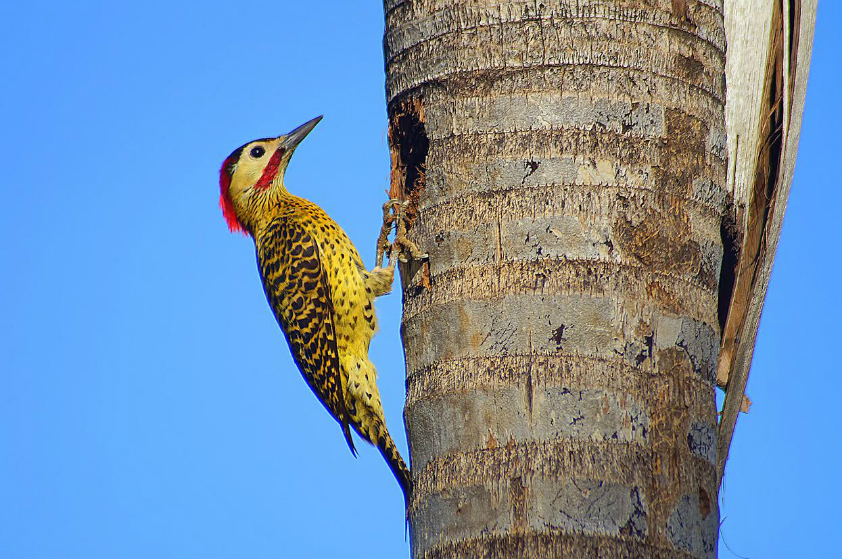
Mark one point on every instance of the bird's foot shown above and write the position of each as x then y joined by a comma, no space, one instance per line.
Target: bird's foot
402,248
383,244
394,213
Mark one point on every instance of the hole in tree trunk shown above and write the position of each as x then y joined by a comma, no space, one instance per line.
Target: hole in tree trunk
408,146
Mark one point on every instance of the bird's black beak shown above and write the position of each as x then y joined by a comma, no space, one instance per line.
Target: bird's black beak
291,140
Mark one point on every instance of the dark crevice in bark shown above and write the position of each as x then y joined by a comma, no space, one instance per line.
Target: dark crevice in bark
531,166
704,503
731,241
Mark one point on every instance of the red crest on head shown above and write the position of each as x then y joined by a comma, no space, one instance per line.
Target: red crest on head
225,201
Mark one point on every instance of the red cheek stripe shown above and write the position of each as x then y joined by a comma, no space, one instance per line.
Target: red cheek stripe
271,170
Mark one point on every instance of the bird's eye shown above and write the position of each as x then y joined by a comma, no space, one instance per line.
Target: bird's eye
257,152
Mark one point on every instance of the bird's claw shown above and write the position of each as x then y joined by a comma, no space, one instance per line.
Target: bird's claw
401,248
383,244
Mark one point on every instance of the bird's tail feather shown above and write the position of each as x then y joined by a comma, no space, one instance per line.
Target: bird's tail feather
374,429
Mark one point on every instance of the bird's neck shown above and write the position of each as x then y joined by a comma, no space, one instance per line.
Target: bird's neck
262,209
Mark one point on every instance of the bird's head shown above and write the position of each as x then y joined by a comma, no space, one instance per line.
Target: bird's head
254,174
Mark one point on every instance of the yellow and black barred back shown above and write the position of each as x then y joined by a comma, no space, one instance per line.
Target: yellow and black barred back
298,291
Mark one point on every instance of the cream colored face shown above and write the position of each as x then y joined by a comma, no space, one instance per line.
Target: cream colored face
250,167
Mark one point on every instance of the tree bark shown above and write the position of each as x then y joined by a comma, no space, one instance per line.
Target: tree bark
565,163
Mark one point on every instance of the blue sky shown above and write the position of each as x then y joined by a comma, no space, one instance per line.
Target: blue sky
148,403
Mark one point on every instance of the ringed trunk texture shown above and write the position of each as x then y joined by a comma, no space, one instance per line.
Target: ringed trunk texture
565,162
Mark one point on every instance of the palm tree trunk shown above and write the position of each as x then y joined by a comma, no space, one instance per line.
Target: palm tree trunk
565,162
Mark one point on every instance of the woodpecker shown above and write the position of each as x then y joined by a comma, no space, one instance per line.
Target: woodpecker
315,282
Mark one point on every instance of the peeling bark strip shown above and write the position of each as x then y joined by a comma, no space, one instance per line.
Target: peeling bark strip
764,123
565,163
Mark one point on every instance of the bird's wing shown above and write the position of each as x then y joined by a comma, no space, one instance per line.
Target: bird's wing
297,287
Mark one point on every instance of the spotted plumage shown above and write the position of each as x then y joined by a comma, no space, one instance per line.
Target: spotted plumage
319,291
